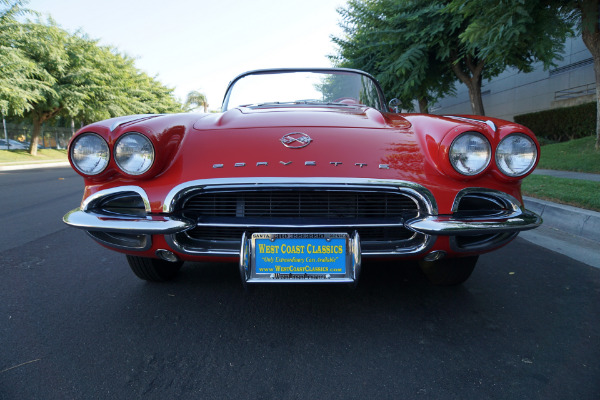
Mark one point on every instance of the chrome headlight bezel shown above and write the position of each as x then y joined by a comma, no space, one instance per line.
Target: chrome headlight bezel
505,151
134,153
80,156
470,148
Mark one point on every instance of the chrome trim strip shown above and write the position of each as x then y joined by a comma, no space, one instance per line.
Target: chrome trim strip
508,200
151,225
90,201
447,225
380,95
131,118
299,226
419,193
485,121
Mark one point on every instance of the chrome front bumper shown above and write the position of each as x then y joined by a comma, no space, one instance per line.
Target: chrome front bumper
438,225
500,227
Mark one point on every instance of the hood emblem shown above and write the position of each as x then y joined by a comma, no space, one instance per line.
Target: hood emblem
296,140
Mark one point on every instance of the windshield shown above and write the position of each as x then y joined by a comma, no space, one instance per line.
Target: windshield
303,87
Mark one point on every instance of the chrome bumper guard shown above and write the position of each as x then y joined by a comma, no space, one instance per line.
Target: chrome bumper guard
150,225
513,221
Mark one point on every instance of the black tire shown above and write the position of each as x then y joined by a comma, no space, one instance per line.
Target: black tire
153,269
449,271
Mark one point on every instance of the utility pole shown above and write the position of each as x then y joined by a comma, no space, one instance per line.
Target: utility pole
5,134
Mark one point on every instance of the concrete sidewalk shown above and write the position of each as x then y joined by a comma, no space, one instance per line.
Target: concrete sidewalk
573,220
571,231
16,166
568,174
568,230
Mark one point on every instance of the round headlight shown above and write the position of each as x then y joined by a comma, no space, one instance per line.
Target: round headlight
134,153
90,154
470,153
516,154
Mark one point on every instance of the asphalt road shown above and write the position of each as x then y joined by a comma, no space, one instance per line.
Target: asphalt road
75,323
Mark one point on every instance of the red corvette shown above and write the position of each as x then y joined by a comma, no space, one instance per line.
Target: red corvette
303,174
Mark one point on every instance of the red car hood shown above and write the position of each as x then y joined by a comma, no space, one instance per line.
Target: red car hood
344,142
298,116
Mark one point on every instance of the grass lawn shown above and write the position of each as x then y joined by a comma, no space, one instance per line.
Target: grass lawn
22,156
574,192
575,155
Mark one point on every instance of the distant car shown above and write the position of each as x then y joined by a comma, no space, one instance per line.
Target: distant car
11,145
305,173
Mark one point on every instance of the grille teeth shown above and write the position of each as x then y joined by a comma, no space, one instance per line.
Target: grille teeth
224,216
301,204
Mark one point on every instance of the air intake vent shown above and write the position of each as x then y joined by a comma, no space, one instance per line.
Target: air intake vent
338,205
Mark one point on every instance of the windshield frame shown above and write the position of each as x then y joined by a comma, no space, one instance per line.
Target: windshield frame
380,94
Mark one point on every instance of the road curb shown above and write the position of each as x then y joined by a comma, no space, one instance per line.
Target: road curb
33,166
572,220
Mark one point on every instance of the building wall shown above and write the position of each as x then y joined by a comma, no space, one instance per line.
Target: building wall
512,93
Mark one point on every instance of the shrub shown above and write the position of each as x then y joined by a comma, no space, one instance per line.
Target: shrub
562,124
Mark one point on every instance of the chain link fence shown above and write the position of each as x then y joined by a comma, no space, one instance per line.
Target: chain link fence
19,137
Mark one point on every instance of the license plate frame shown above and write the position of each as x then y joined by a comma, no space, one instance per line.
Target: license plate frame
318,257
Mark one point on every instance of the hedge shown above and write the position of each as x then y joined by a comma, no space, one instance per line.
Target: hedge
562,124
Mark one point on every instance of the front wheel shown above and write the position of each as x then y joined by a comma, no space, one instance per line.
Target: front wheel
449,271
153,269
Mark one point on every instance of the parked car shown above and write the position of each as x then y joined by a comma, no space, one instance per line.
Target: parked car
11,145
304,174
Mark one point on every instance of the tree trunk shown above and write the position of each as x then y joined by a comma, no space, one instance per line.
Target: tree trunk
39,118
423,105
590,34
35,135
597,73
475,95
471,78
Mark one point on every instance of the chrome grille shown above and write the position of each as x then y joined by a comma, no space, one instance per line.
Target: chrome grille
223,216
337,205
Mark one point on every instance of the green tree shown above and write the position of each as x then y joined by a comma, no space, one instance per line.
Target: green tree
406,68
21,79
466,37
74,77
195,99
512,33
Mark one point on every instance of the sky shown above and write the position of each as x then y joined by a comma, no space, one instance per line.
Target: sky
202,45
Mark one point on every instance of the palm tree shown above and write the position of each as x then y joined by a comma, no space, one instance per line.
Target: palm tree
195,99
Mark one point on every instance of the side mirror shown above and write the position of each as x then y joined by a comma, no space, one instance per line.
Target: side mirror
394,105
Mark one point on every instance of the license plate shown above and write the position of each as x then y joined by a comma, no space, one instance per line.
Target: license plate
300,257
